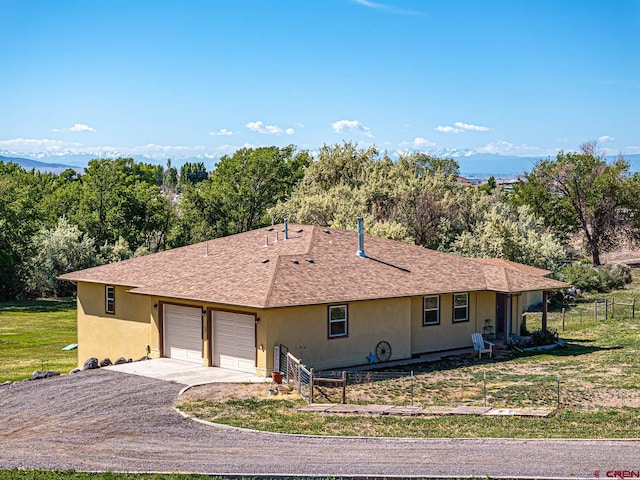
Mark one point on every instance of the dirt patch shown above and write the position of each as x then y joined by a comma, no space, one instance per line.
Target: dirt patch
630,256
222,392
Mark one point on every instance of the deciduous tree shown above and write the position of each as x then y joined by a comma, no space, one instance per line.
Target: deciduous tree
580,192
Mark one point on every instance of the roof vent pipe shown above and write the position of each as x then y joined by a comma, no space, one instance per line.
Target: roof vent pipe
286,229
361,238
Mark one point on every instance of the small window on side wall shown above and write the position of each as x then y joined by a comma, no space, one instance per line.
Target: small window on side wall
110,299
431,310
460,307
338,322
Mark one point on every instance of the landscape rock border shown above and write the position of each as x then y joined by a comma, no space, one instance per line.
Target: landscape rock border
89,364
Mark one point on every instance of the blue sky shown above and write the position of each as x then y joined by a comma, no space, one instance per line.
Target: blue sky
203,78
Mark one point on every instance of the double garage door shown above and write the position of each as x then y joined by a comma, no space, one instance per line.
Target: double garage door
233,341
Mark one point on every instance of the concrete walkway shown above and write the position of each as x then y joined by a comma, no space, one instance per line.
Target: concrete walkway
185,373
427,357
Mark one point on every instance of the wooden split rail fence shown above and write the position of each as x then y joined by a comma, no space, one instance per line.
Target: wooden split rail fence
304,380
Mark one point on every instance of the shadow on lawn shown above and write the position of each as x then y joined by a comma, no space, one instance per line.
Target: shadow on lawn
39,306
446,363
454,362
573,350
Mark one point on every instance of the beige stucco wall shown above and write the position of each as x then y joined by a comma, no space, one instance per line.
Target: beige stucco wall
304,330
102,335
449,334
530,298
135,324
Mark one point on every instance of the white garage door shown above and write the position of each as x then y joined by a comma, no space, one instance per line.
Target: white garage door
183,333
234,341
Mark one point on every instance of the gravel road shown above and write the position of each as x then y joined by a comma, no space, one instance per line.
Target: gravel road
105,420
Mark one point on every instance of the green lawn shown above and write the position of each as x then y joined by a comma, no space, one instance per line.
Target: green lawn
32,335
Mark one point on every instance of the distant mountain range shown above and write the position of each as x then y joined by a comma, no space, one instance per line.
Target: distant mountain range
28,164
472,164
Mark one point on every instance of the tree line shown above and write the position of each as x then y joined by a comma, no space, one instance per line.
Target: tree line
119,208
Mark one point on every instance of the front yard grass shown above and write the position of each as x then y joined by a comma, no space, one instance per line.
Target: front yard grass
599,377
32,335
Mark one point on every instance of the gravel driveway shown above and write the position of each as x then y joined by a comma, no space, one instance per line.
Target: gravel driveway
106,420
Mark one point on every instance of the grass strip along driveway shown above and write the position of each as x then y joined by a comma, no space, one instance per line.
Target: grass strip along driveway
599,378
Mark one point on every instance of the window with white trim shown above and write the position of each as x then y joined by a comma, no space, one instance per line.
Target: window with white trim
460,307
110,299
338,321
431,310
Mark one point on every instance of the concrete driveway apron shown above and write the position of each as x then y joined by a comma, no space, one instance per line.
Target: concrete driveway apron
183,372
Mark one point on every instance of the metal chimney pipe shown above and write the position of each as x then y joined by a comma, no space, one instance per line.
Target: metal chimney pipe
360,252
286,229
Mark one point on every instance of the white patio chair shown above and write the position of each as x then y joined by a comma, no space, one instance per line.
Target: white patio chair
481,346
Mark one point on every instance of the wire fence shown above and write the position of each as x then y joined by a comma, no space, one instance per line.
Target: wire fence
450,388
576,316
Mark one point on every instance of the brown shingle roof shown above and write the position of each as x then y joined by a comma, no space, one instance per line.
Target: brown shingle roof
500,262
314,266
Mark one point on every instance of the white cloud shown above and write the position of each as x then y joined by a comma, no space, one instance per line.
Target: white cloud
418,143
605,139
289,131
223,132
264,129
460,127
81,127
229,149
45,147
475,128
37,145
351,126
77,127
152,148
442,129
500,147
633,149
503,147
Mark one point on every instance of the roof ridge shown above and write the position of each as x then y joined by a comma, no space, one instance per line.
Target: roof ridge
312,237
501,271
272,282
